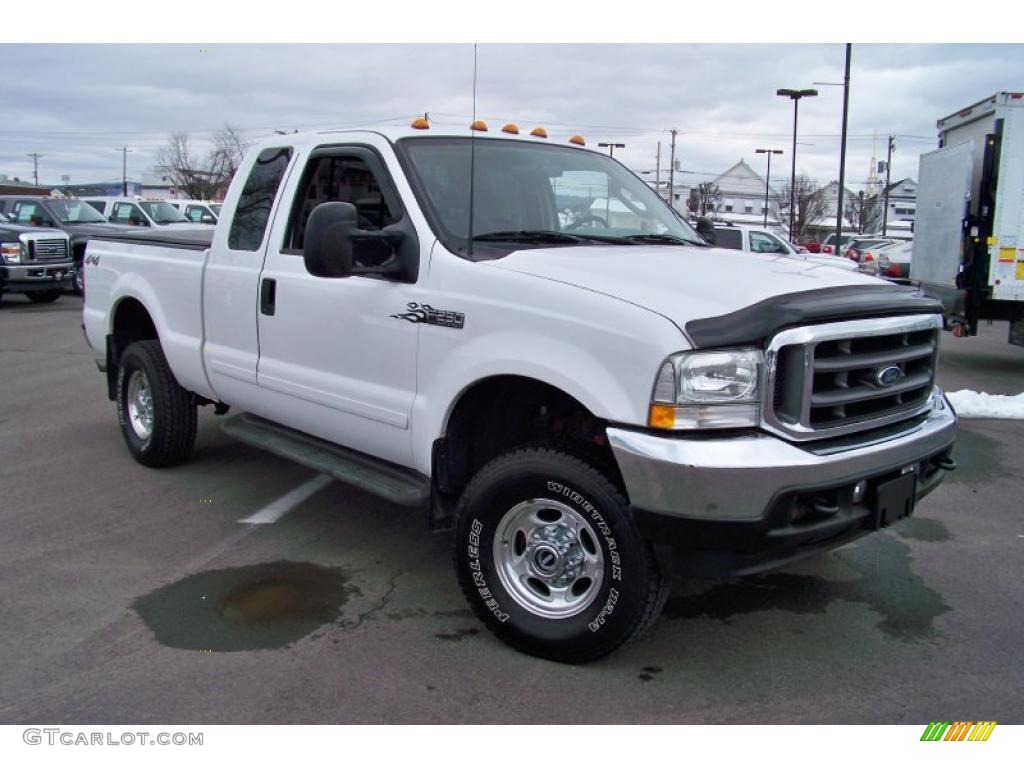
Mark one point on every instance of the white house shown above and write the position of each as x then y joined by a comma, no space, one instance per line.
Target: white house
743,196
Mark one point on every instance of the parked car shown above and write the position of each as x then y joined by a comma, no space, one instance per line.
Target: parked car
34,261
582,403
894,262
132,212
833,244
861,245
198,211
739,237
812,246
867,257
78,220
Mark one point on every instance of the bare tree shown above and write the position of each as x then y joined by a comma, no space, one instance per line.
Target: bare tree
810,205
705,198
202,176
863,211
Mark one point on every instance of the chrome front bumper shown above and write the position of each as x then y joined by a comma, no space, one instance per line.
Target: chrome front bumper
737,478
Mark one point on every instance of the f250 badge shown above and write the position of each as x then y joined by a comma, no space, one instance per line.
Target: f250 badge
424,313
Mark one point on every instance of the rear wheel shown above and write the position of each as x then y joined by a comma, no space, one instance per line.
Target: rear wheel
78,283
157,415
43,297
549,558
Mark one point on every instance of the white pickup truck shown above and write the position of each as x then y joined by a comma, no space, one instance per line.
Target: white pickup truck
590,398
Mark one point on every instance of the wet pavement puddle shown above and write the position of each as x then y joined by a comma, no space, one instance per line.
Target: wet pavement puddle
254,607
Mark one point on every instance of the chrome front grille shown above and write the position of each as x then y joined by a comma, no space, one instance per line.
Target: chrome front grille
836,378
49,249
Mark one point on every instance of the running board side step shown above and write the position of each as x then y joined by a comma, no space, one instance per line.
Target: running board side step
368,473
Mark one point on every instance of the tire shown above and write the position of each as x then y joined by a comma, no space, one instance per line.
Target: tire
77,285
513,543
43,297
157,416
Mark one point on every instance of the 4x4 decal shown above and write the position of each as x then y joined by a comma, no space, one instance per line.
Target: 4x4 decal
424,313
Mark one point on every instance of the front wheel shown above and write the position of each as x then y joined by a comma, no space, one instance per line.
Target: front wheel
157,415
43,297
549,558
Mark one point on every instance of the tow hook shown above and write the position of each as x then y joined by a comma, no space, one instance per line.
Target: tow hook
945,461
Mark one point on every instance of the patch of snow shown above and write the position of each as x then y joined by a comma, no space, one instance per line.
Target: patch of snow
981,405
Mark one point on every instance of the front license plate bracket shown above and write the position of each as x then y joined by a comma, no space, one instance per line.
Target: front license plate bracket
894,499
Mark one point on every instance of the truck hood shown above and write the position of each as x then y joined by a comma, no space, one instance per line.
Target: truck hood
681,283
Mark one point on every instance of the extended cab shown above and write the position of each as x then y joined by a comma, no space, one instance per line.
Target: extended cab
35,262
452,322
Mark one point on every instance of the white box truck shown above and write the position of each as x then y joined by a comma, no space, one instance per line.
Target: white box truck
969,229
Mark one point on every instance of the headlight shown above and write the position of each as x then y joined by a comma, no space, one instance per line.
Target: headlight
718,389
11,252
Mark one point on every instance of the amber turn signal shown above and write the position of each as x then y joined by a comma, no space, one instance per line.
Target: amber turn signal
539,133
420,124
662,417
577,140
510,128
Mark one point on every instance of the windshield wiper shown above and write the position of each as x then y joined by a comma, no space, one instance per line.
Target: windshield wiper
666,239
528,236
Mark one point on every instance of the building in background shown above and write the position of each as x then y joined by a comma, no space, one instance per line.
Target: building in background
742,199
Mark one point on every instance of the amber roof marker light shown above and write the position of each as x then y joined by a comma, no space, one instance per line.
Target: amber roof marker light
577,139
539,132
420,124
478,125
510,128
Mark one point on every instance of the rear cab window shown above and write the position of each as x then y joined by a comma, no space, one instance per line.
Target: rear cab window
727,237
252,212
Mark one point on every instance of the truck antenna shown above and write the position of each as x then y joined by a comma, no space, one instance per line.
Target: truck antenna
472,160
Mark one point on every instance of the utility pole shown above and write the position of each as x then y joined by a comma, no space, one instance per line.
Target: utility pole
124,169
672,172
657,171
35,166
842,149
888,166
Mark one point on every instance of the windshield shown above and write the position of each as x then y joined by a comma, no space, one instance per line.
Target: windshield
161,212
531,193
75,212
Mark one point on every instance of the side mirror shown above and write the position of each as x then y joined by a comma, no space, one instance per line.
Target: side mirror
207,218
334,246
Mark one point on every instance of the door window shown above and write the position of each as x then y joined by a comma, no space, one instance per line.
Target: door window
762,242
345,179
128,213
252,212
29,213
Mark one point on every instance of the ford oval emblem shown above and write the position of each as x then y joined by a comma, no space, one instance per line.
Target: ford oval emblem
886,377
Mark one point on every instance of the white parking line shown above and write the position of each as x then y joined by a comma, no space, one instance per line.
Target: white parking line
278,508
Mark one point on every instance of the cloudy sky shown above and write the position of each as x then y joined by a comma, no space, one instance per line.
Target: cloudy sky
73,104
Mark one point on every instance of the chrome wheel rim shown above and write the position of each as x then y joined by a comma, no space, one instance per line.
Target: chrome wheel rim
548,558
140,405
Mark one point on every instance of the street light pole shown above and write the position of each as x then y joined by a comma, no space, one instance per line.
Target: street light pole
795,95
611,147
768,177
842,149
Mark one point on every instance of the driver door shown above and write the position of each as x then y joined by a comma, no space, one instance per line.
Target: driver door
335,361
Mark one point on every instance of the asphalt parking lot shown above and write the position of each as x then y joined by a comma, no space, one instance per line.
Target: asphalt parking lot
131,595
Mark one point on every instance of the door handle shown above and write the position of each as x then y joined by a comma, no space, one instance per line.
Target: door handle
268,294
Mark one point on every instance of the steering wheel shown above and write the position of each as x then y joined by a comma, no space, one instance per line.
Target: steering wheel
585,220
